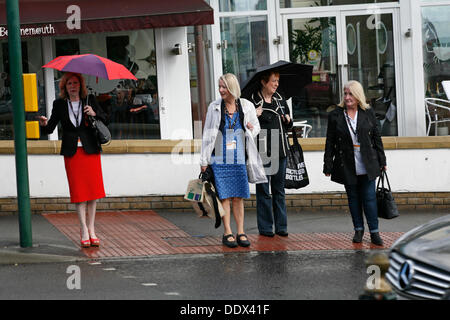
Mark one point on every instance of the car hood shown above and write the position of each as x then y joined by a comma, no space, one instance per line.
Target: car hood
428,243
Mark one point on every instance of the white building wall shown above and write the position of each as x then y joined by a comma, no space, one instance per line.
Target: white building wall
413,170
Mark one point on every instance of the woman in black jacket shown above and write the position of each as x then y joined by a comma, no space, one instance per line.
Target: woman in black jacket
80,149
354,156
274,119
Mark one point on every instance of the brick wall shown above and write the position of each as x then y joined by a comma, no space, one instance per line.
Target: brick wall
298,202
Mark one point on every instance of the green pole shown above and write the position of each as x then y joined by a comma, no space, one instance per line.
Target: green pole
20,140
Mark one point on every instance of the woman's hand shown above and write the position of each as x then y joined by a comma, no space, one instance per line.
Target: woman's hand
42,120
203,168
250,126
384,168
89,111
327,174
259,111
286,118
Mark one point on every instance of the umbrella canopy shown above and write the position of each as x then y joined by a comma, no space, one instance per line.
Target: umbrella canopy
293,77
90,64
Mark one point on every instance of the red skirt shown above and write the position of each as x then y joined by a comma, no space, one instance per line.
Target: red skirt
84,174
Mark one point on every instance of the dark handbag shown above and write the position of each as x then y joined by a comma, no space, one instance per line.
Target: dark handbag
101,130
208,175
210,187
296,174
387,208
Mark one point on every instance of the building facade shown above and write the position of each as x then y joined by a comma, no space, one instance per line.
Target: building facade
399,51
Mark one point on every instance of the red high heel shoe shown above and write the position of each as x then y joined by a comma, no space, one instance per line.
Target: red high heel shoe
85,243
95,242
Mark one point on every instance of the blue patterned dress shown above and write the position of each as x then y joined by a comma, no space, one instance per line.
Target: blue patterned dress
230,172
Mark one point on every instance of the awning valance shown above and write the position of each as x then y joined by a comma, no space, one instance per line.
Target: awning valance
55,17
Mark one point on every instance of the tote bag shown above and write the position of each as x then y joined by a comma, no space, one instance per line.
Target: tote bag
195,191
296,174
387,208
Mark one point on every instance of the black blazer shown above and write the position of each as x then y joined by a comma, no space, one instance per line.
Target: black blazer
271,119
339,158
70,133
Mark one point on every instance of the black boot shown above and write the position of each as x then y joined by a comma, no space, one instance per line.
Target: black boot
357,238
376,239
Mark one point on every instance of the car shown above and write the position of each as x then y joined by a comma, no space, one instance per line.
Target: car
420,261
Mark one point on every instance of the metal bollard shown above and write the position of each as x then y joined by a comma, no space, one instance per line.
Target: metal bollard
379,288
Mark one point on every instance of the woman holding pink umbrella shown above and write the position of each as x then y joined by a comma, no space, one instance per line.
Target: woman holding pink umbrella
80,149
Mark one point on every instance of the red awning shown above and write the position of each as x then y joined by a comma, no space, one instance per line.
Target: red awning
50,17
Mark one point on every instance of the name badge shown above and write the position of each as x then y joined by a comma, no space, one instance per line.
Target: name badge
231,145
357,147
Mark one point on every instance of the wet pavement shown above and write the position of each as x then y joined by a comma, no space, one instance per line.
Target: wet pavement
176,256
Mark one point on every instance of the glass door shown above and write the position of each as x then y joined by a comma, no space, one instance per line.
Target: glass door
313,40
369,59
243,45
343,45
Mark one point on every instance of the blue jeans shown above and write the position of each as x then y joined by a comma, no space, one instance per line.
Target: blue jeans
266,202
362,196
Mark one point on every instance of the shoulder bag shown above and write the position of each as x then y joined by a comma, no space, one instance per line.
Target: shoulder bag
101,130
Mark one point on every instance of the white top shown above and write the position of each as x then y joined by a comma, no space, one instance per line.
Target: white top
360,167
75,115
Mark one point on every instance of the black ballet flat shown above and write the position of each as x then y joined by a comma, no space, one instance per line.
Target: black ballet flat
242,243
226,242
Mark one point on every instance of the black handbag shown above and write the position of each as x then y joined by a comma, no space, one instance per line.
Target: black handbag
210,188
101,130
296,174
387,208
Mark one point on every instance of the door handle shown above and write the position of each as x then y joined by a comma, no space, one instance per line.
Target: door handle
222,45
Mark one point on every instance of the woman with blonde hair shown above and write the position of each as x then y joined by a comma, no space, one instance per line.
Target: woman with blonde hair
80,149
227,150
354,156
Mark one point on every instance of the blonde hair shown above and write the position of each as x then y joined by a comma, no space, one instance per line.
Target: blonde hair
357,91
62,85
232,84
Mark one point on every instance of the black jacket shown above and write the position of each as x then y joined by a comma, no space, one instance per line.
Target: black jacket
339,158
271,119
70,133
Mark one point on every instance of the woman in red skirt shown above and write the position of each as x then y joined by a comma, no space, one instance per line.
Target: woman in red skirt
80,149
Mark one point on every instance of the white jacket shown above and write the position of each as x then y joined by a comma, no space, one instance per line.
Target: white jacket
255,169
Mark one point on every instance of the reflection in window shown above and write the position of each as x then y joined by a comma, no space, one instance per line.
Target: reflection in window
313,41
372,64
31,63
436,49
244,45
436,61
242,5
314,3
132,106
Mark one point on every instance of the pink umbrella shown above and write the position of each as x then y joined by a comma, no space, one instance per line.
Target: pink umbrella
91,64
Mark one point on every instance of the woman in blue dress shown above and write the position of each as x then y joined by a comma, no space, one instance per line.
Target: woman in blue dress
227,123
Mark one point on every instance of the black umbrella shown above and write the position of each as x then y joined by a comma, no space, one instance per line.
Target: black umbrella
293,77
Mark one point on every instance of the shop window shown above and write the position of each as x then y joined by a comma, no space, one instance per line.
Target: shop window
314,3
436,60
31,63
132,106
